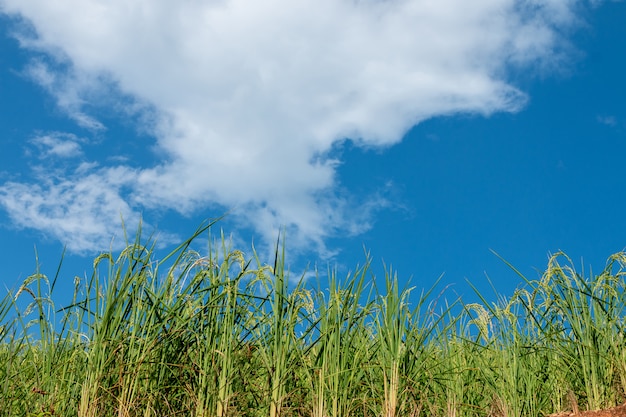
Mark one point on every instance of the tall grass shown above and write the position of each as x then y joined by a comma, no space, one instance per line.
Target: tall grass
334,360
227,334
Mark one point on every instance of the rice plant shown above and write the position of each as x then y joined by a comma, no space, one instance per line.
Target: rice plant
223,333
341,345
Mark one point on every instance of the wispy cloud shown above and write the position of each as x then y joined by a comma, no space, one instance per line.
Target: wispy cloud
249,99
82,211
607,120
69,90
58,144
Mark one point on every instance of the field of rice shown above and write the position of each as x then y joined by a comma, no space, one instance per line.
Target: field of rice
224,334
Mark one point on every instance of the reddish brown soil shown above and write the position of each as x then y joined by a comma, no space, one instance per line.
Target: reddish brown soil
619,411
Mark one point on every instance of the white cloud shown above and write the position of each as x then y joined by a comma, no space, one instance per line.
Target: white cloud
250,97
58,144
84,208
68,89
83,211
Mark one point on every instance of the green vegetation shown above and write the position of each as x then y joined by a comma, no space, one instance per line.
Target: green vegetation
223,334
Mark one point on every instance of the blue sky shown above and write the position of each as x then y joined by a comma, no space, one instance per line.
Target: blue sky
428,133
